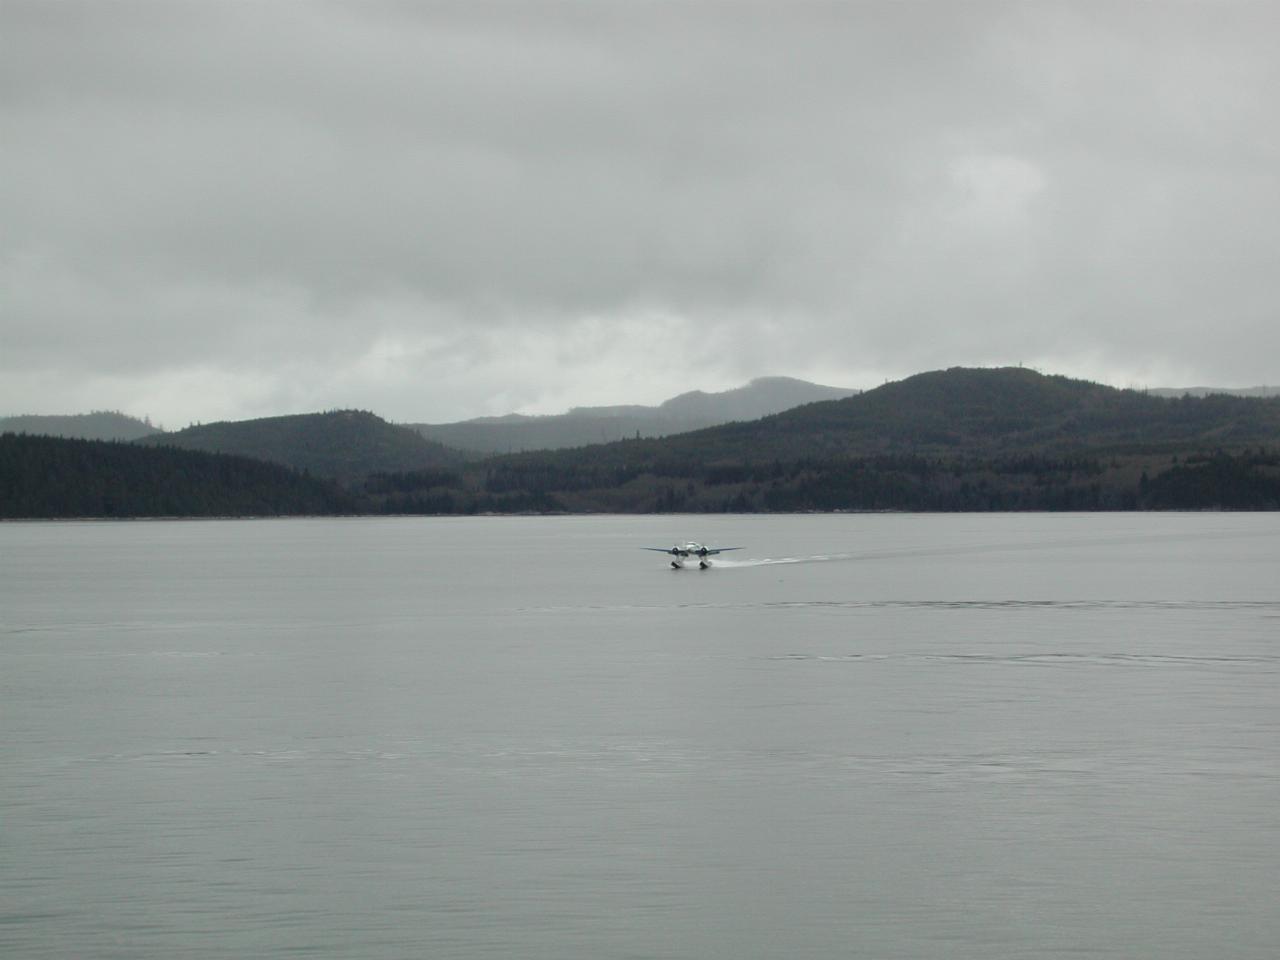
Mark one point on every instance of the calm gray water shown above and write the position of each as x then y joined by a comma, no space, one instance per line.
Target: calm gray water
870,736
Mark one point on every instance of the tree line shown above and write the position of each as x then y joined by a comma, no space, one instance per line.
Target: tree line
52,477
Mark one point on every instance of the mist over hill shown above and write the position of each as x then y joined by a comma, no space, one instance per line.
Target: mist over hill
582,426
1209,391
99,425
344,445
759,398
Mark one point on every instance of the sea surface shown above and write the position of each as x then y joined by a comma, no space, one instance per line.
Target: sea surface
881,736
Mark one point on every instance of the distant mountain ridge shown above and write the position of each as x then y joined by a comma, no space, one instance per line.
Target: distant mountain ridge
582,426
99,425
343,445
759,398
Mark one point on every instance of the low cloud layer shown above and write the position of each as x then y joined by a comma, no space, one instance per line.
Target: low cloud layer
445,210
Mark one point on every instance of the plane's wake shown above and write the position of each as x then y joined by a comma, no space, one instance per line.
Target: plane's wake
775,561
724,563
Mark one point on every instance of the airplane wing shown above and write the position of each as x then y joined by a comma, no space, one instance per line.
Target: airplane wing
659,549
711,551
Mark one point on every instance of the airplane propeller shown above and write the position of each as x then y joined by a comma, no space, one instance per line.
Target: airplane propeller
702,552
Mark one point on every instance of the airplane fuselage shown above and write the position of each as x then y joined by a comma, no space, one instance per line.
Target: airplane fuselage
691,552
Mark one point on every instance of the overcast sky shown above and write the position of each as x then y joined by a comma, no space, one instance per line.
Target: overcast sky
220,210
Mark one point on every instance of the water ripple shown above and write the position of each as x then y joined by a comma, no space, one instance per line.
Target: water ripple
1034,659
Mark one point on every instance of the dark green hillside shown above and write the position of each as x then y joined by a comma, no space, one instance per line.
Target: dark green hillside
991,412
344,445
1249,481
100,425
959,412
46,477
958,439
1008,439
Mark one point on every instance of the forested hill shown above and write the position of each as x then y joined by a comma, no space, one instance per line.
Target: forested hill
959,439
344,445
969,412
995,411
977,412
593,425
55,477
100,425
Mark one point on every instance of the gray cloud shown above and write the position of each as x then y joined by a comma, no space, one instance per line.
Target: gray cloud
441,210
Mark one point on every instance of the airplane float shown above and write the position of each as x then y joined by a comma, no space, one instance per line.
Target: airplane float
684,551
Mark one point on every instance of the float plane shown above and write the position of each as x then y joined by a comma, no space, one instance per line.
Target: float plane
684,551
